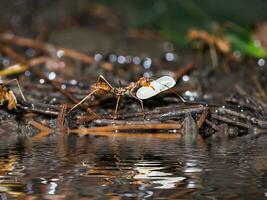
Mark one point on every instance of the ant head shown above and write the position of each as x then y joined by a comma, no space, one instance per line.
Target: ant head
144,81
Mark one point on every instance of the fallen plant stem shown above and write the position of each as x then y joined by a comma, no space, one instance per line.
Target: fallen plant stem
259,122
39,108
252,100
61,117
117,128
202,119
103,122
167,112
163,135
230,121
213,125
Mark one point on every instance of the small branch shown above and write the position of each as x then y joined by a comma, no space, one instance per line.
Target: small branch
61,117
259,122
39,108
213,125
128,127
230,121
202,119
104,122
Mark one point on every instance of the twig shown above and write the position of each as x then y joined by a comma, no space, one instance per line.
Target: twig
230,121
242,92
166,135
259,122
168,112
103,122
61,117
202,119
141,126
13,54
39,108
213,125
243,103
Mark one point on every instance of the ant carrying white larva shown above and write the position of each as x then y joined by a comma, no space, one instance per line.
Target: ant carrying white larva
145,89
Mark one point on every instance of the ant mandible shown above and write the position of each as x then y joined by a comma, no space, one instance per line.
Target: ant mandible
147,89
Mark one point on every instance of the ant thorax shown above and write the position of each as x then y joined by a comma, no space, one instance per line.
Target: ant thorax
120,91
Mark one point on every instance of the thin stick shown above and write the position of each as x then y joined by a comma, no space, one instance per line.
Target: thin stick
113,128
105,122
61,116
202,118
213,125
163,113
13,54
252,119
166,135
230,121
37,108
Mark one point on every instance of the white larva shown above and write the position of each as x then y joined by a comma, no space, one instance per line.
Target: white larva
159,85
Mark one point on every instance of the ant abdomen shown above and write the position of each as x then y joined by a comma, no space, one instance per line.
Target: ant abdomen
101,88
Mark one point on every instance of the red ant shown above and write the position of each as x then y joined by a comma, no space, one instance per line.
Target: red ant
103,88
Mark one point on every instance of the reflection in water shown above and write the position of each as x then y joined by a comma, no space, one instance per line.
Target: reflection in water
97,167
152,171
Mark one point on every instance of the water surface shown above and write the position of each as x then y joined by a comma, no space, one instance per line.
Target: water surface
109,167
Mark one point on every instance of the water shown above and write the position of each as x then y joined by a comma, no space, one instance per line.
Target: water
131,167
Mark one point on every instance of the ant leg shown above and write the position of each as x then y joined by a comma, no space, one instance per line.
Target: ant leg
117,106
83,100
20,91
105,80
173,91
141,102
180,97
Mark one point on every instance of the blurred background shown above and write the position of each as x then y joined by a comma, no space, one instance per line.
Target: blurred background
97,21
